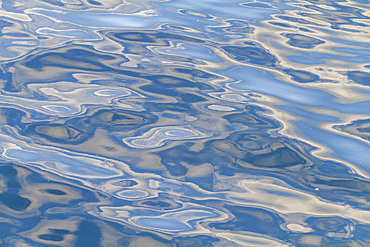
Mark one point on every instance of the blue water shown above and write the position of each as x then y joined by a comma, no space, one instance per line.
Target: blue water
185,123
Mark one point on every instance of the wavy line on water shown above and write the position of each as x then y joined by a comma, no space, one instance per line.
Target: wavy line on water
159,136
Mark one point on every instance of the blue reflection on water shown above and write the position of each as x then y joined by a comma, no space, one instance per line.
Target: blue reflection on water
183,123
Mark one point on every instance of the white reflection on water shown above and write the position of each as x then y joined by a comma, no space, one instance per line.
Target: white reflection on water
158,136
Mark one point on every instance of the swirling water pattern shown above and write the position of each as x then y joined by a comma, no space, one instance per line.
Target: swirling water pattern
185,123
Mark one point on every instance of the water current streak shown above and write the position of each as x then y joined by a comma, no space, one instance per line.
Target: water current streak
184,123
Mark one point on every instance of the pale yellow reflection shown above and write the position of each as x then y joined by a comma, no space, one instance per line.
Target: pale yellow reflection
311,240
290,201
251,239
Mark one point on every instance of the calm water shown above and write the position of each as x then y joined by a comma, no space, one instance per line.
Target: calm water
185,123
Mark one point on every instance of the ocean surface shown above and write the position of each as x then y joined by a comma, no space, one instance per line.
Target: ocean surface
184,123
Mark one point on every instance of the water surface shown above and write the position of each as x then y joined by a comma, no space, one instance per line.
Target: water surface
184,123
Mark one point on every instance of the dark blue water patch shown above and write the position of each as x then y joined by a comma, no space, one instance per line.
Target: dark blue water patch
205,181
305,30
302,41
55,192
172,107
172,155
196,73
276,156
171,85
191,98
73,131
152,37
163,202
119,120
365,130
251,120
251,52
88,59
254,143
280,24
96,3
6,229
54,235
7,82
257,5
4,23
243,148
159,204
159,90
302,76
88,234
335,169
360,128
361,233
17,35
175,168
250,219
54,2
341,190
10,196
360,77
14,201
59,133
9,177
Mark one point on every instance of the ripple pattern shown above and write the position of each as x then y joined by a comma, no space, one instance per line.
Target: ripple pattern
183,123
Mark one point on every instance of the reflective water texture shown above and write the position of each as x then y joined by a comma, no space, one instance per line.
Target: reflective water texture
185,123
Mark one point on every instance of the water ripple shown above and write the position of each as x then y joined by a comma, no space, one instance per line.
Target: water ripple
182,123
158,137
